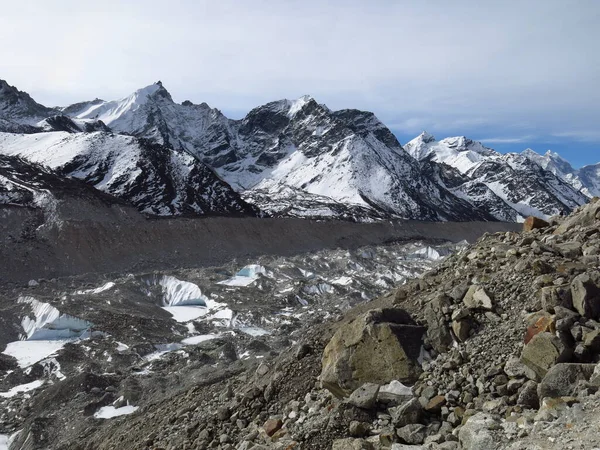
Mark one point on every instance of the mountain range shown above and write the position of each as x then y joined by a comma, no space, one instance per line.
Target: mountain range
288,158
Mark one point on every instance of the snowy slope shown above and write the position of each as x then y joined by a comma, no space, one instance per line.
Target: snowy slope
156,179
522,185
586,179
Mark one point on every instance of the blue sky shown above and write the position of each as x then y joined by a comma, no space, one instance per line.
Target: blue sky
514,73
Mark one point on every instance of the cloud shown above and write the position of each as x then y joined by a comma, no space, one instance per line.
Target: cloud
580,135
506,140
463,67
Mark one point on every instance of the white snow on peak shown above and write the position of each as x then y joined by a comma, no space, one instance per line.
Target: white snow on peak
459,152
297,105
109,112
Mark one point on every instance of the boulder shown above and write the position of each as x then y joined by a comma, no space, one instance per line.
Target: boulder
562,380
365,396
570,249
475,434
585,292
438,332
271,426
377,347
591,341
553,296
516,369
412,434
407,413
528,395
543,351
461,329
477,298
585,218
532,223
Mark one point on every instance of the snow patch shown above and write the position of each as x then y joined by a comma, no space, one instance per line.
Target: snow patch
22,388
108,412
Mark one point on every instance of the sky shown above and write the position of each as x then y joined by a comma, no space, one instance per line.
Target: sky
513,74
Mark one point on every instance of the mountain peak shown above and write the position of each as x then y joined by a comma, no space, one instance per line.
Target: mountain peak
426,137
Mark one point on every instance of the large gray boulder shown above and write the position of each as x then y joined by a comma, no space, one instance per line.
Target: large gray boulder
438,332
475,433
585,292
377,347
562,380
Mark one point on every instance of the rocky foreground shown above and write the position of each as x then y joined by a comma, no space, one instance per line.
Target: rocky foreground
498,344
496,347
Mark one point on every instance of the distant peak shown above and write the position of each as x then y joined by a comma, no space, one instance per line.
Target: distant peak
529,152
553,155
426,137
152,90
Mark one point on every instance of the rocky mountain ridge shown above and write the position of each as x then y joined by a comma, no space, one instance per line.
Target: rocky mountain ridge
298,158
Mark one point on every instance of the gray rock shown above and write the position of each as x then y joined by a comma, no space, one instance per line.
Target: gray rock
461,329
585,292
515,368
379,346
412,434
394,393
562,380
475,434
478,298
438,332
528,395
365,396
570,249
410,412
358,429
553,296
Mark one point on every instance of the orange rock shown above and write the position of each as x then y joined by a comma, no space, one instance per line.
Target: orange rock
531,223
544,323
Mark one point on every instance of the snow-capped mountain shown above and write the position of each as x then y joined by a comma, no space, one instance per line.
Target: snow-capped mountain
156,179
586,179
513,178
344,158
286,158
